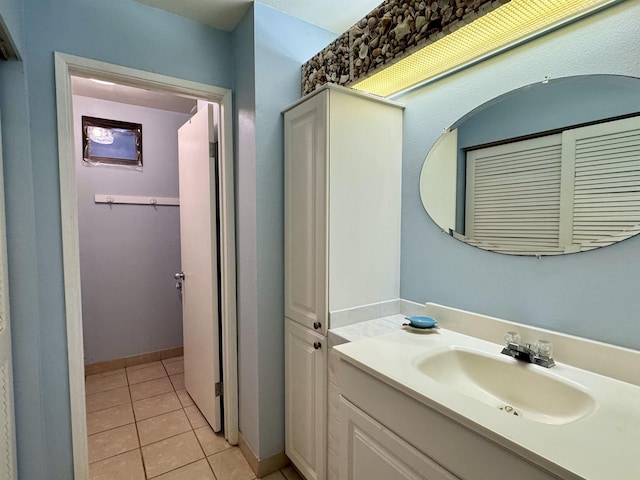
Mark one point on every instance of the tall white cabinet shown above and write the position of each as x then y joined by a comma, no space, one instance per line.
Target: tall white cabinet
343,180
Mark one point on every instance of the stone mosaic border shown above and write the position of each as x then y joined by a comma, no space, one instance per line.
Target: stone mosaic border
390,32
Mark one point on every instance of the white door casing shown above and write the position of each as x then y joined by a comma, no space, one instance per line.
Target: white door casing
65,66
8,468
199,247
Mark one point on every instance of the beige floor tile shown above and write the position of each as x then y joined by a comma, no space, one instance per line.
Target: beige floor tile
143,365
126,466
184,397
290,473
173,368
177,381
108,399
274,476
163,426
145,374
102,384
199,470
153,406
173,359
150,388
113,417
166,455
105,374
210,441
196,418
112,442
231,465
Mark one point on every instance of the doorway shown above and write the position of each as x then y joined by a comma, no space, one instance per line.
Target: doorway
68,66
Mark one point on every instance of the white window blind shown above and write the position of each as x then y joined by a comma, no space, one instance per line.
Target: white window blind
513,196
607,181
571,191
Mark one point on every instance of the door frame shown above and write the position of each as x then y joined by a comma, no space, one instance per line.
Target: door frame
7,404
65,66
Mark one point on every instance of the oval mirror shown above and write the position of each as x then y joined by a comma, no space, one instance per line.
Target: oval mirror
546,169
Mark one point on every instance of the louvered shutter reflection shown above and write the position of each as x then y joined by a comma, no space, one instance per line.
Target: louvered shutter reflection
513,196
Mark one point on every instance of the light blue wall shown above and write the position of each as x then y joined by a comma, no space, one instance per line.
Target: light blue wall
121,32
592,294
23,270
11,17
129,253
282,44
245,125
266,82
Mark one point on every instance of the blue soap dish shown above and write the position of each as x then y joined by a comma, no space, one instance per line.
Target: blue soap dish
421,322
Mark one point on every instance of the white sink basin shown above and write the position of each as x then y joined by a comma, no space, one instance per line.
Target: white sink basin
517,388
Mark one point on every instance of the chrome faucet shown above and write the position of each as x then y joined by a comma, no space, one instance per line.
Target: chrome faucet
540,354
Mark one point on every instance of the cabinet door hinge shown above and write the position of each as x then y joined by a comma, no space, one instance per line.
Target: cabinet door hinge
213,150
219,389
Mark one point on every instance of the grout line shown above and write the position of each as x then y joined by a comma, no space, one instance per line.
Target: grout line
144,465
109,429
173,359
185,465
112,456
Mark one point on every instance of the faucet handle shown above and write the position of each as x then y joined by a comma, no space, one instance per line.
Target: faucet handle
512,337
544,348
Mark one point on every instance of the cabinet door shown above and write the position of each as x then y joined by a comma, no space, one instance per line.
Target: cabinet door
373,451
305,134
305,400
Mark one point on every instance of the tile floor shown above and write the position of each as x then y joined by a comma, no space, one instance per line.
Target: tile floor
142,424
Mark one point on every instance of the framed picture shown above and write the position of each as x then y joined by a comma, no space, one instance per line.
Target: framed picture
111,142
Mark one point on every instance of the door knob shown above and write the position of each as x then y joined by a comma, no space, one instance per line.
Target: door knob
317,345
316,325
179,276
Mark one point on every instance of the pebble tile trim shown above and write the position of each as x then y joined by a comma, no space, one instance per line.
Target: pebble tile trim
390,32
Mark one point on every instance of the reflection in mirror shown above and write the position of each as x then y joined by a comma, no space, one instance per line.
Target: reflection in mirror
546,169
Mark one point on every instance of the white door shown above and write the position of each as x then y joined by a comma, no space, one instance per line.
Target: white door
7,429
199,255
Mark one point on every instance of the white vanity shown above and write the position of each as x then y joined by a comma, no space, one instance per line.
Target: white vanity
432,405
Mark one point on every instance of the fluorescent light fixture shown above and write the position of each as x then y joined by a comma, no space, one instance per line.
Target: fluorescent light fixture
505,27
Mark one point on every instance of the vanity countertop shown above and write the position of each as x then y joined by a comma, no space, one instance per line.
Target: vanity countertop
602,445
365,329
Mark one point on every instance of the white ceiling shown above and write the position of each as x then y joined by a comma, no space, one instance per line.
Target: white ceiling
334,15
131,95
